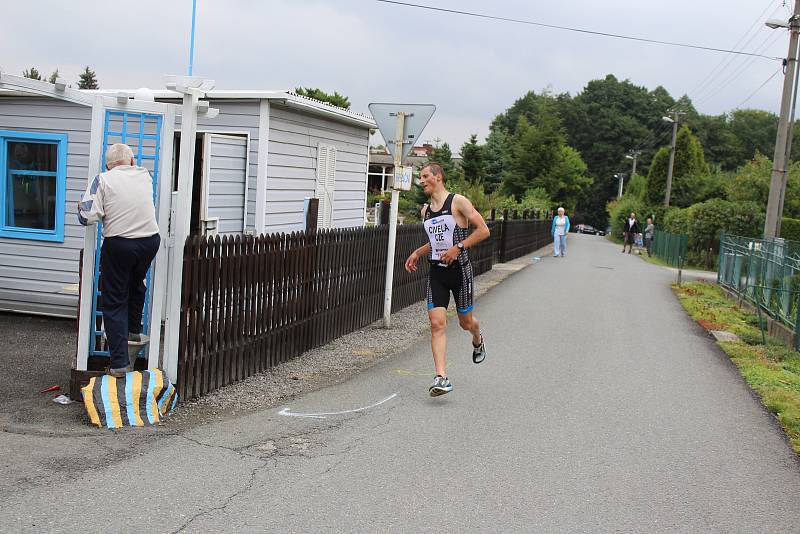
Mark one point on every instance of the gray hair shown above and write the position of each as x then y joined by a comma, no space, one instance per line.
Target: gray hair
118,154
560,209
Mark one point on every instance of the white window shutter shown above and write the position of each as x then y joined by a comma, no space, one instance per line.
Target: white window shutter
326,184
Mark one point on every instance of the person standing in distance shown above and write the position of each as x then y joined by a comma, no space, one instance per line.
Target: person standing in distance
559,230
629,231
122,197
447,219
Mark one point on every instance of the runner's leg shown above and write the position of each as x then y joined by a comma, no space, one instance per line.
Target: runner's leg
470,323
438,318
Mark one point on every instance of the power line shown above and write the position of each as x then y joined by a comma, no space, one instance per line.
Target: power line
571,29
726,61
759,88
716,89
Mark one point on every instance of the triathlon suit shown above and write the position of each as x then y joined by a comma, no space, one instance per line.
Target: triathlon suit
443,233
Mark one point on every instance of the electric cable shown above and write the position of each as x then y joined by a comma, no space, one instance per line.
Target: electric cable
571,29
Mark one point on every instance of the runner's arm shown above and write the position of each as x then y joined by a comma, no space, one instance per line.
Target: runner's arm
475,219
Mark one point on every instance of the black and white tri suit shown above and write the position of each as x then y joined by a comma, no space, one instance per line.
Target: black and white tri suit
444,233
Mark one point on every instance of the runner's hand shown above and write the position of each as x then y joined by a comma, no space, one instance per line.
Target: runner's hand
450,256
411,262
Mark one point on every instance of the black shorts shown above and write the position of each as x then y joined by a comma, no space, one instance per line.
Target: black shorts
456,279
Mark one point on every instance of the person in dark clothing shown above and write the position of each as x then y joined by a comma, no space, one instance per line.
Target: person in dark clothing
629,231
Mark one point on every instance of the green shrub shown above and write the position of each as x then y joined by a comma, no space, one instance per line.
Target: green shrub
790,229
619,210
676,221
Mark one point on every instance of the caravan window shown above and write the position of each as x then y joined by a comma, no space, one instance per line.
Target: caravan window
33,174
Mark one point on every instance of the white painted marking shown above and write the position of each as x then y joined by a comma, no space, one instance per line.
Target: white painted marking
324,415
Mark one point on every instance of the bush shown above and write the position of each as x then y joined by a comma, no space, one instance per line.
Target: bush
707,221
676,221
790,229
618,210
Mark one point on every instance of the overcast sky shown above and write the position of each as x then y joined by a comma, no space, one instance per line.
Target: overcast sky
471,69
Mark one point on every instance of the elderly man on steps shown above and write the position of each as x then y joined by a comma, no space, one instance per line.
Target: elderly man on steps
122,198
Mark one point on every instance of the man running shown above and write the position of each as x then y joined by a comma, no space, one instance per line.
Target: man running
447,219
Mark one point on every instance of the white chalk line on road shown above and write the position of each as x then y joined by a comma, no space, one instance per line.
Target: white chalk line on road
324,415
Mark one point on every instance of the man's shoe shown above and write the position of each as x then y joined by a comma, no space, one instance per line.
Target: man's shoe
441,385
119,372
479,352
138,339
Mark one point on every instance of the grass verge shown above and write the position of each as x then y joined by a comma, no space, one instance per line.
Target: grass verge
772,370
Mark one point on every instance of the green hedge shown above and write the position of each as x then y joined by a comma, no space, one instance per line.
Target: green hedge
790,229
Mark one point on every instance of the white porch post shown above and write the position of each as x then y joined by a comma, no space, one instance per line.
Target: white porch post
193,89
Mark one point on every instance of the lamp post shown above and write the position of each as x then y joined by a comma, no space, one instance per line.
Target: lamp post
674,120
783,137
621,178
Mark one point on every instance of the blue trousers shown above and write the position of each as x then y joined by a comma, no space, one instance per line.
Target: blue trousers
559,245
123,267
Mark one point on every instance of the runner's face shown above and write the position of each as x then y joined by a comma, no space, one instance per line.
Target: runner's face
428,180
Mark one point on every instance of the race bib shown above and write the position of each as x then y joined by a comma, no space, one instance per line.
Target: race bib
440,233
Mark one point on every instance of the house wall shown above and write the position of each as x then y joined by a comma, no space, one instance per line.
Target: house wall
33,273
292,165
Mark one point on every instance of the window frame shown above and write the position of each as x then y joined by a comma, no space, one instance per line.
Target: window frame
18,232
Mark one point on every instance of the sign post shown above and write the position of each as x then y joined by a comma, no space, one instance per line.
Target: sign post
400,125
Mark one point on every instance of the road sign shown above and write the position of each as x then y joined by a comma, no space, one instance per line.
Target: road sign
403,178
416,118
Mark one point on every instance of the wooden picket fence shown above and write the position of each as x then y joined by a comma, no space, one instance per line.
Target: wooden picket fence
250,303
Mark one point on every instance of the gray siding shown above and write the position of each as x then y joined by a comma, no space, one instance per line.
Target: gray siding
34,273
292,165
227,181
238,117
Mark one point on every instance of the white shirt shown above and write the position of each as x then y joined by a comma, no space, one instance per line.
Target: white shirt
631,223
561,225
123,199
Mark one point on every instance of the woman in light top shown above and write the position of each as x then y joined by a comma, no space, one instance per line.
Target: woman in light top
559,230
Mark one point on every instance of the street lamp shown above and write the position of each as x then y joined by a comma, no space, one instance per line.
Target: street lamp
776,23
621,178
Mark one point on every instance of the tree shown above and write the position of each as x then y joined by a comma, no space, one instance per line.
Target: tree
335,99
53,77
33,74
535,150
689,160
88,80
473,164
497,157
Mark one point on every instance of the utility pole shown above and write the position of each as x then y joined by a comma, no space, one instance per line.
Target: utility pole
782,143
634,155
674,120
621,178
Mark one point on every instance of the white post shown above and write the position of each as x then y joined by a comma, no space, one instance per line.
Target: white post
159,276
179,230
86,325
398,163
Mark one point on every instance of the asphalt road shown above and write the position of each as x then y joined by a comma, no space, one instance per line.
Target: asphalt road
600,408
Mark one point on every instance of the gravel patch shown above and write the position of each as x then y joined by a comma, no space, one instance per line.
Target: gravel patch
330,364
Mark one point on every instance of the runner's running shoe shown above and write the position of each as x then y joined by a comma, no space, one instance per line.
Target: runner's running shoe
441,385
479,352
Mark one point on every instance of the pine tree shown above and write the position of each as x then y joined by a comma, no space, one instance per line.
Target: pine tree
33,74
53,77
497,153
473,163
88,80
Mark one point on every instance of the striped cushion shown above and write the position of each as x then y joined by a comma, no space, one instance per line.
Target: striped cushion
137,399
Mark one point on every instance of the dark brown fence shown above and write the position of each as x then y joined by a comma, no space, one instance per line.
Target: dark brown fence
250,303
